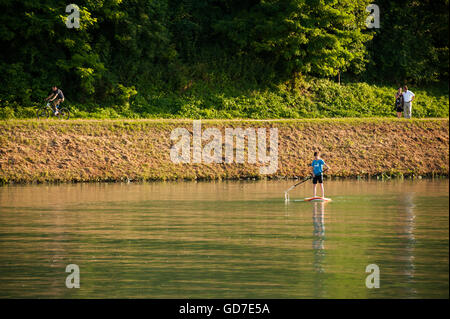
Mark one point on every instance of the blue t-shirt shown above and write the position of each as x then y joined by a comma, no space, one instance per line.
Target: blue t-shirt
318,166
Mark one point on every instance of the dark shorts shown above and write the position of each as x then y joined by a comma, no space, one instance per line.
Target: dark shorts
318,178
58,101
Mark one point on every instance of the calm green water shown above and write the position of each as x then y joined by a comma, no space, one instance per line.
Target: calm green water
225,240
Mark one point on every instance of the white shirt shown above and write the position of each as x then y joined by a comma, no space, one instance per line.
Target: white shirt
407,96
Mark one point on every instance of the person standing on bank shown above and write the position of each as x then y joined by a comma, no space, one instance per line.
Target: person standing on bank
408,98
399,102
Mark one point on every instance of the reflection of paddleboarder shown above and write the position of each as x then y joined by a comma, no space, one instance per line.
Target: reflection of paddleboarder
318,246
317,172
319,225
410,240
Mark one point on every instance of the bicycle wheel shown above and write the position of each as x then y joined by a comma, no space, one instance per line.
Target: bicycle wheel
42,114
64,114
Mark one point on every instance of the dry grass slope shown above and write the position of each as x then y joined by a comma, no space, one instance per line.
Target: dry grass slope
118,150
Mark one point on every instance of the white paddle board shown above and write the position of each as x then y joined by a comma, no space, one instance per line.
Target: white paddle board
320,199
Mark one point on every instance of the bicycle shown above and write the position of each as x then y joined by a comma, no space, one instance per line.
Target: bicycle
45,111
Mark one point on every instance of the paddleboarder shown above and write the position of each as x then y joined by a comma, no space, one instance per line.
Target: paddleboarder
317,172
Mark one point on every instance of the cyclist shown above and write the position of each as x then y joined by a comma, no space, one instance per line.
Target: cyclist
56,96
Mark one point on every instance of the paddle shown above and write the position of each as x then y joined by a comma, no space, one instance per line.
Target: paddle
286,195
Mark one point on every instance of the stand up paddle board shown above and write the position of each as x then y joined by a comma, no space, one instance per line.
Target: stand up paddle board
320,199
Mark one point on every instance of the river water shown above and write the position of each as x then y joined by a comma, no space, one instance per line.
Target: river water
225,240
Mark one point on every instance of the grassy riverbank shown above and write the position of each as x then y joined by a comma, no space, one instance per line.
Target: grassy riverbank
137,150
226,99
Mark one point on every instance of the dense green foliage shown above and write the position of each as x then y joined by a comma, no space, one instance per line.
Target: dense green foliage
315,98
412,42
230,58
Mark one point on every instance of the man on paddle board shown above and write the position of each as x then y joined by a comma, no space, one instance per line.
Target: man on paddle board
317,172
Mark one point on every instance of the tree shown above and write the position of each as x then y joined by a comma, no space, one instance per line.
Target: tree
412,42
316,37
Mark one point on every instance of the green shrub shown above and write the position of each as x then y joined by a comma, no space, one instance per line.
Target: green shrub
6,113
311,98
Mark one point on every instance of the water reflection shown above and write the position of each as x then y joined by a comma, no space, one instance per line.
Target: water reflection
318,233
318,245
408,208
224,240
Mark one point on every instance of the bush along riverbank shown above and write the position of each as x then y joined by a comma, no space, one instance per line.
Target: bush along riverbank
314,98
34,151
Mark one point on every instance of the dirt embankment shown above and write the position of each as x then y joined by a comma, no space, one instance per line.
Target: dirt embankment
119,150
